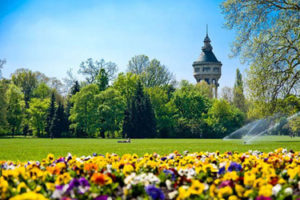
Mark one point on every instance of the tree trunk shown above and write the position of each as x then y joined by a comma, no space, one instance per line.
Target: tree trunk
102,134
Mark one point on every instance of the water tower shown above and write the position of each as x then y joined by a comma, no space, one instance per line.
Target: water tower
207,67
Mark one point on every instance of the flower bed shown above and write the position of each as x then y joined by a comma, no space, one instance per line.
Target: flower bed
203,175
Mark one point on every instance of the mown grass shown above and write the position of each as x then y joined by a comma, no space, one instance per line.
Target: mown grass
36,149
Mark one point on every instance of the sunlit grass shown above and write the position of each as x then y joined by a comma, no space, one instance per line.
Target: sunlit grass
36,148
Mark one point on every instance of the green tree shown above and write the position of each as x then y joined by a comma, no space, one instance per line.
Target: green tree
139,121
268,39
3,107
205,89
102,80
152,73
223,119
90,69
38,115
111,111
75,88
294,125
58,124
42,91
227,94
84,113
191,105
27,81
15,109
126,84
156,74
2,63
164,112
238,92
138,64
50,115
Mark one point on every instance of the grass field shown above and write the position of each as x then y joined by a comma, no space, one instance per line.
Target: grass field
36,149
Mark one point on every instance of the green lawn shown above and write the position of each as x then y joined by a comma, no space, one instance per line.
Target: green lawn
35,149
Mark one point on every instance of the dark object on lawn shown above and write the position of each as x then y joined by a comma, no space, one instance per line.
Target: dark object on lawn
125,141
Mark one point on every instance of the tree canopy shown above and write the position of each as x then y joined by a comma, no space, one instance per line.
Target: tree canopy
268,39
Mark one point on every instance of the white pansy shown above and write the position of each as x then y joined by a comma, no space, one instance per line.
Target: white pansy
206,186
109,168
169,184
288,191
173,194
222,164
284,150
276,189
145,179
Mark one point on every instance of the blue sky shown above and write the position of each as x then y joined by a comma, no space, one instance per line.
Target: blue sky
56,35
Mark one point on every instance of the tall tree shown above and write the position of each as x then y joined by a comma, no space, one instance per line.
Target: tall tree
2,63
3,106
126,85
75,88
84,113
156,74
205,89
139,119
268,38
38,115
50,115
238,92
42,91
58,125
152,73
102,80
227,94
15,109
164,112
138,64
90,69
111,111
223,119
191,105
27,81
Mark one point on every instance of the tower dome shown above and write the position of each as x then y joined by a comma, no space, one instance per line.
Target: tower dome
207,67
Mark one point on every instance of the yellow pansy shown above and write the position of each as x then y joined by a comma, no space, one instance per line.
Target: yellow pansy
225,191
22,187
239,190
196,188
29,196
249,178
183,193
265,190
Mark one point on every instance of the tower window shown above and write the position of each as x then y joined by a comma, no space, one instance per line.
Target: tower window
216,69
206,69
207,81
197,70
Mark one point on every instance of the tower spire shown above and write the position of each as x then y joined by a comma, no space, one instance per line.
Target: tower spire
206,30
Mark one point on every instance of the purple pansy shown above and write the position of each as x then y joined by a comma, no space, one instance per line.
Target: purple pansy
166,171
221,170
81,184
102,197
234,167
164,158
226,183
154,192
263,198
62,159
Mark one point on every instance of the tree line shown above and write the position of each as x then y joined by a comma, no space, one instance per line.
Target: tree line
144,102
